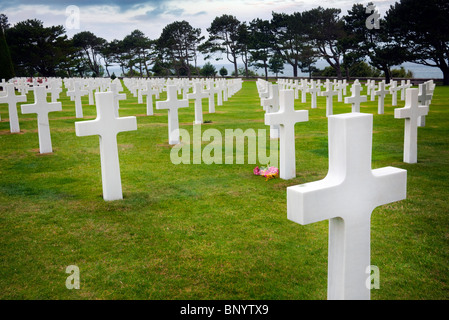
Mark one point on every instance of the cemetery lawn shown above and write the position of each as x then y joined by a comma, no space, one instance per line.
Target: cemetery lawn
198,231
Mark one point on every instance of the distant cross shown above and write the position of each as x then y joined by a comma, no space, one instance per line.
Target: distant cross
329,93
76,94
210,90
271,105
148,91
303,87
314,90
394,93
198,95
424,99
172,104
107,126
372,87
54,90
117,97
411,112
286,118
356,98
11,99
42,108
382,92
347,197
339,87
91,86
404,86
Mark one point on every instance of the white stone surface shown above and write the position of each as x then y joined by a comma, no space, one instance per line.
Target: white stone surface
329,93
107,126
11,99
381,93
411,112
42,108
286,118
172,104
347,196
355,99
198,95
76,94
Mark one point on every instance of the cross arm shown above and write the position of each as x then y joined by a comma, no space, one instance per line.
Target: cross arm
392,182
313,202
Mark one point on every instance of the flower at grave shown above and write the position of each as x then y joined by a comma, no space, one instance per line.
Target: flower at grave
267,172
256,171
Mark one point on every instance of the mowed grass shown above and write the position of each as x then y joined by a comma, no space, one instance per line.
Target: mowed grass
198,231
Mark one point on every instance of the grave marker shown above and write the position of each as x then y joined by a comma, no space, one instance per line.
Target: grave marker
107,126
76,94
356,98
411,112
198,95
382,92
286,118
42,108
347,196
11,99
172,104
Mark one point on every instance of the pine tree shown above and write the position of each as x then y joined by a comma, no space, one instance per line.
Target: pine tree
6,66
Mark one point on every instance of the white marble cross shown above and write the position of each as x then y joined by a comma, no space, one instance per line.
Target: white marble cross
347,197
356,98
41,107
411,112
198,95
107,126
314,90
424,98
382,92
148,91
114,88
76,94
54,90
172,104
91,86
11,99
329,93
404,86
210,90
271,105
303,87
339,87
286,118
394,93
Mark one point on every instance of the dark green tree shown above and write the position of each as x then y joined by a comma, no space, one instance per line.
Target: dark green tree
260,44
224,37
208,70
179,43
37,50
6,66
326,29
90,46
223,72
139,51
421,29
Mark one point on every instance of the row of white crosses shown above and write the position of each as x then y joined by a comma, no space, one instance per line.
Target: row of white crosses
108,124
351,188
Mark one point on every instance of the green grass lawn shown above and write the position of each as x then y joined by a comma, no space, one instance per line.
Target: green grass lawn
203,231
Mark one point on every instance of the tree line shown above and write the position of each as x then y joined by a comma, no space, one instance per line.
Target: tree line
411,31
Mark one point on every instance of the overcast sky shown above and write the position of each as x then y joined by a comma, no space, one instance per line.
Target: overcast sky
113,19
